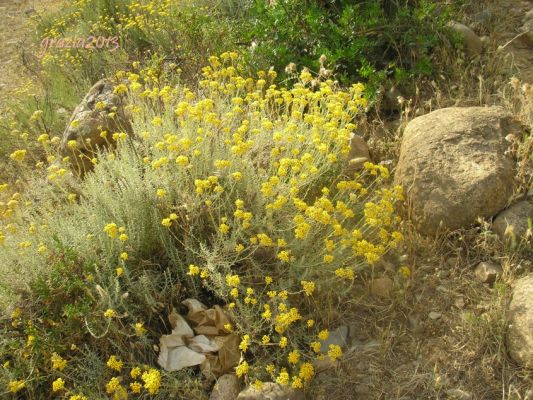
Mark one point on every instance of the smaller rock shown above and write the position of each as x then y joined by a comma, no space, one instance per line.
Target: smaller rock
528,16
471,41
512,223
433,315
381,287
452,261
226,388
485,41
460,302
390,102
487,271
359,154
527,32
271,391
339,337
482,16
458,394
520,320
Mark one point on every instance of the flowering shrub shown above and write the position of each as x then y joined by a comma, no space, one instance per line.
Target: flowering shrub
237,193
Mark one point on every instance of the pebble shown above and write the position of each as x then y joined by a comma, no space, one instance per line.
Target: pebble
487,271
434,315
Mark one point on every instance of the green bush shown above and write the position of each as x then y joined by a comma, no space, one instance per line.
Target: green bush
370,41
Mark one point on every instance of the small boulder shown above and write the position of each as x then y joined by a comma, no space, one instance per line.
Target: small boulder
520,319
359,154
527,32
100,110
512,223
226,388
471,41
381,287
453,167
487,271
271,391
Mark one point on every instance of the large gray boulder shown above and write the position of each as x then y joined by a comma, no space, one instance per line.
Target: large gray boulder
453,166
100,110
520,318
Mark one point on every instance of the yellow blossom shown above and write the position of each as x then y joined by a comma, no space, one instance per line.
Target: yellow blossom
15,386
152,380
58,362
58,384
309,287
114,363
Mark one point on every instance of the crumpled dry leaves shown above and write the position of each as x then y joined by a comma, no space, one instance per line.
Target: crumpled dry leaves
207,343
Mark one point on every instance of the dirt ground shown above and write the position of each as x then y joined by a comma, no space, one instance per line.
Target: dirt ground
18,18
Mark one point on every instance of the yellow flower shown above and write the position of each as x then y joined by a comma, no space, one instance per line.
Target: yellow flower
161,192
135,372
166,222
72,144
15,386
110,313
193,270
112,385
124,256
405,272
31,340
242,369
309,287
296,383
111,230
334,351
245,342
268,280
152,380
283,342
284,255
283,378
58,362
114,363
139,329
120,271
328,258
239,248
315,346
307,371
136,387
58,384
18,155
233,280
293,357
123,237
223,228
323,335
310,323
182,161
120,89
265,339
